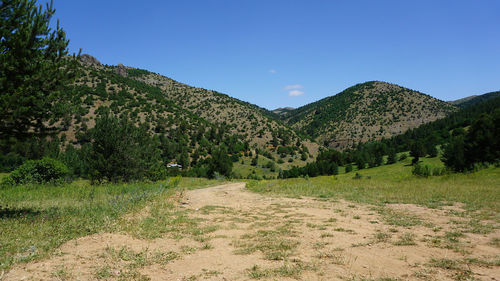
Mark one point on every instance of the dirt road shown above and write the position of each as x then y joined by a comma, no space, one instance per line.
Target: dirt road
228,233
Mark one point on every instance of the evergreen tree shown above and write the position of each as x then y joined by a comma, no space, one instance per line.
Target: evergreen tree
360,162
391,157
348,168
33,68
481,141
416,151
120,151
454,154
220,163
184,160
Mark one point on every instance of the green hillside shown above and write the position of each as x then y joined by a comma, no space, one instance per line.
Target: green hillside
366,112
190,122
472,100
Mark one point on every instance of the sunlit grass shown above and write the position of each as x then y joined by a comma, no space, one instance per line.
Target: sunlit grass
36,219
396,184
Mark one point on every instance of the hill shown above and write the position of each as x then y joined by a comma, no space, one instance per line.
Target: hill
475,99
190,121
366,112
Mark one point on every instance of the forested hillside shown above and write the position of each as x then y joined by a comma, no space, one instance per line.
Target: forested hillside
191,124
465,139
366,112
472,100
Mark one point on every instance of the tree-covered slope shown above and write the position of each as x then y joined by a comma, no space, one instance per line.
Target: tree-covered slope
259,126
472,100
366,112
191,122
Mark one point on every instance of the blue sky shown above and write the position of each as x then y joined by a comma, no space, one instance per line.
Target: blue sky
290,53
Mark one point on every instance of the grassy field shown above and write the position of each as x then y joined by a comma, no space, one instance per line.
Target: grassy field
396,184
37,219
243,167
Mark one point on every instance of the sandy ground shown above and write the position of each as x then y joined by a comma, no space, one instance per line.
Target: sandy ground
251,236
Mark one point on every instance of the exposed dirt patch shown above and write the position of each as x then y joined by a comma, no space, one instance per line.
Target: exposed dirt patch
241,235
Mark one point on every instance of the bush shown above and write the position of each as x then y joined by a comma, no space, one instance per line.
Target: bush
403,157
421,170
47,170
438,171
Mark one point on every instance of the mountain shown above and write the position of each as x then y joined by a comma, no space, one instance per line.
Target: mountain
190,121
365,112
475,99
282,110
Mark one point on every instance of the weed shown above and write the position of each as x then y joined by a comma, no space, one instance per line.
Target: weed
382,237
293,270
495,241
407,239
270,242
445,263
332,257
206,246
324,235
398,218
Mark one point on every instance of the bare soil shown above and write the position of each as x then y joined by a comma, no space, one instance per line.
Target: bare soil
276,238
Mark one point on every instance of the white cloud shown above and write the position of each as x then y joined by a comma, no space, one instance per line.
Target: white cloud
272,71
295,93
293,87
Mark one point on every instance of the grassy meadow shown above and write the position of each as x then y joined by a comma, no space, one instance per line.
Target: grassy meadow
243,167
36,219
396,184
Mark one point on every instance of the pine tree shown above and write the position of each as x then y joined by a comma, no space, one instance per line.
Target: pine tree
220,163
34,65
417,150
120,151
391,157
454,154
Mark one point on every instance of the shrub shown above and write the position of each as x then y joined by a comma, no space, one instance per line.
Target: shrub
47,170
421,170
403,157
438,171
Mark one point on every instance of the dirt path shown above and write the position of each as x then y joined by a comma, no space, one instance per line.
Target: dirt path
228,233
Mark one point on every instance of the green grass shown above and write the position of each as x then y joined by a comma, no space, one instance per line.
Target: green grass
245,169
290,270
396,184
36,219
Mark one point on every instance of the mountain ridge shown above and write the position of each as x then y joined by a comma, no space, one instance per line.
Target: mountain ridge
366,111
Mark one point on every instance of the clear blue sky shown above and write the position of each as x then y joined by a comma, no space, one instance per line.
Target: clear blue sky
290,53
